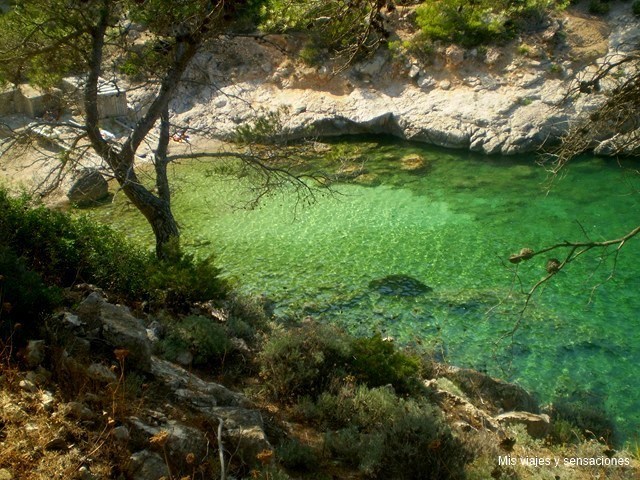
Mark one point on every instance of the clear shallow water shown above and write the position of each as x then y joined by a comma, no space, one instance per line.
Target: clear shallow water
450,226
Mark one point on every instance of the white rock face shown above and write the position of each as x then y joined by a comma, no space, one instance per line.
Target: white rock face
512,111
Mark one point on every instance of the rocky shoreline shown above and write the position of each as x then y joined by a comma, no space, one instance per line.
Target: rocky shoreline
506,100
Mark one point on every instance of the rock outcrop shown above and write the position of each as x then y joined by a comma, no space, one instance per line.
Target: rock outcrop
89,188
495,103
97,337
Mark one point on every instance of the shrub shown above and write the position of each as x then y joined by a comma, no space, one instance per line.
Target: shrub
296,456
599,7
376,362
304,360
461,22
66,251
205,339
635,8
24,298
180,280
335,25
484,21
389,437
586,412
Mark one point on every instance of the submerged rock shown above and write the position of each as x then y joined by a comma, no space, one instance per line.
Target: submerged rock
399,285
414,163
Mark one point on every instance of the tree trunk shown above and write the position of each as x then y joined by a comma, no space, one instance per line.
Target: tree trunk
155,208
166,231
159,215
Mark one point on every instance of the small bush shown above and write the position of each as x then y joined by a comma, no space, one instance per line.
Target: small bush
296,456
334,25
599,7
563,433
303,361
376,362
389,437
180,280
24,297
66,251
635,8
206,340
461,22
474,23
587,413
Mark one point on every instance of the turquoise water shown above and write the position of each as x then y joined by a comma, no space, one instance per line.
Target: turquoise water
444,230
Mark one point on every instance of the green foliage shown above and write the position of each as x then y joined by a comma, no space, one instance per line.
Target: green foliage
461,22
586,412
266,128
376,363
46,40
303,360
246,314
389,437
67,251
312,358
563,433
635,8
420,46
599,7
294,455
21,60
138,64
205,339
473,23
180,279
24,297
161,16
334,26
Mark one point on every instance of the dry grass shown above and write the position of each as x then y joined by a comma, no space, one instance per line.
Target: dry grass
41,437
488,450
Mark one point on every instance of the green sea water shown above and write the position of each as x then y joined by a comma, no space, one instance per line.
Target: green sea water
421,256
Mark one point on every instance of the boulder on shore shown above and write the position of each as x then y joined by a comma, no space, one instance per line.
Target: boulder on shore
89,188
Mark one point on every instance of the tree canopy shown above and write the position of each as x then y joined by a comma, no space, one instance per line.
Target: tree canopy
46,40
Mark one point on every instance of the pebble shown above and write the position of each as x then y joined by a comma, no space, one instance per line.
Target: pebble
5,474
57,444
78,411
27,385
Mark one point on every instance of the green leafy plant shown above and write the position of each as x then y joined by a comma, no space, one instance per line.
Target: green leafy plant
180,279
376,363
334,26
24,297
66,251
461,22
599,7
389,437
474,23
205,339
302,360
294,455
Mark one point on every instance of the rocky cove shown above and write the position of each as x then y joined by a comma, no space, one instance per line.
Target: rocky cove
97,378
497,100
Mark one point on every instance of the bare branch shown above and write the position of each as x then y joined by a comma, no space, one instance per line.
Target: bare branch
573,250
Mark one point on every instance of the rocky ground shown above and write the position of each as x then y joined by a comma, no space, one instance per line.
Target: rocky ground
91,401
